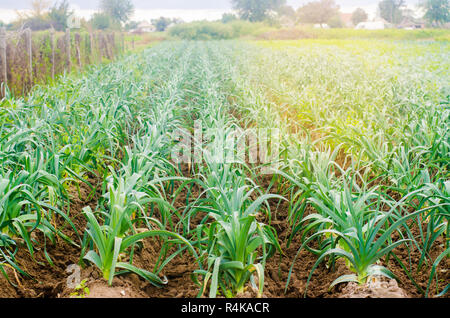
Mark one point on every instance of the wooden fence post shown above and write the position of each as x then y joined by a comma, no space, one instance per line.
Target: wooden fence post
86,56
106,46
69,62
29,49
3,65
93,54
110,40
77,48
52,44
113,45
123,42
99,45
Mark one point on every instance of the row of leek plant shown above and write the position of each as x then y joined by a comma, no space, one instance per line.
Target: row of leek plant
234,245
142,184
355,222
56,137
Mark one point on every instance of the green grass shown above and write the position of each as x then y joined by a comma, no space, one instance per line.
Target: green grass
352,34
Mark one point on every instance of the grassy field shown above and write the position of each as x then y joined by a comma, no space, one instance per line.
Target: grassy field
349,191
304,32
253,31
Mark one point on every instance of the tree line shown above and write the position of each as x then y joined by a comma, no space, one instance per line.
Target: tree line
112,14
116,14
437,12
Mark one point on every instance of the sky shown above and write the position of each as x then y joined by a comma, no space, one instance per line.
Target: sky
187,10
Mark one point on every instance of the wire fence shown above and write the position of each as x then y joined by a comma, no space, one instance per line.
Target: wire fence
28,58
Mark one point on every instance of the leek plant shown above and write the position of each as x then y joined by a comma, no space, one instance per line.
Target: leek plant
331,105
111,246
52,139
230,238
394,122
435,221
138,184
233,240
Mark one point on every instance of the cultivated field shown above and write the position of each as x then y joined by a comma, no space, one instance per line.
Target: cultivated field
315,168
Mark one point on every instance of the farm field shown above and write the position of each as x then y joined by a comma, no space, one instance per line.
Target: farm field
310,168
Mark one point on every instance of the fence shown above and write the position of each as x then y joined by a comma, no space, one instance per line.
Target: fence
28,58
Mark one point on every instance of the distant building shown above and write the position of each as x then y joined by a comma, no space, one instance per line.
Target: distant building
347,19
144,27
321,26
378,24
411,23
412,19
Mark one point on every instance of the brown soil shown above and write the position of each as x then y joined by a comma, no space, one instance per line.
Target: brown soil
119,289
410,258
178,273
278,267
376,288
50,281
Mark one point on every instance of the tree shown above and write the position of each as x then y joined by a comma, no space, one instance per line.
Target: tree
228,17
286,11
336,22
358,16
34,23
437,12
162,23
59,15
38,19
38,7
118,10
318,11
256,10
132,25
101,21
391,10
